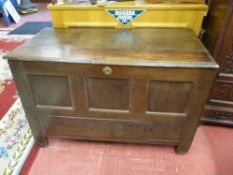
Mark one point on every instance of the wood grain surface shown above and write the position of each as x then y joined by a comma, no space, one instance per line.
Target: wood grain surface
138,47
156,98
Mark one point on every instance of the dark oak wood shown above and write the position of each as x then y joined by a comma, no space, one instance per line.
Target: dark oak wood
141,85
140,47
219,40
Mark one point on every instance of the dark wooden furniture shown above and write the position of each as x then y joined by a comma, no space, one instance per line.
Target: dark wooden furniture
141,85
219,40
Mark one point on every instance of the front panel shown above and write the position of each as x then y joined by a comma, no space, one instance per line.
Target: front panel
50,90
107,93
134,104
169,97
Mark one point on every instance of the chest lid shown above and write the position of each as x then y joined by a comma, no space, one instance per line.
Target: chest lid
160,47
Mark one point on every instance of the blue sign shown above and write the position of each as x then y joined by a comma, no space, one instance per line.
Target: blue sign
125,16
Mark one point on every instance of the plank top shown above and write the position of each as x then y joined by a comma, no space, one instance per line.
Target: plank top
155,47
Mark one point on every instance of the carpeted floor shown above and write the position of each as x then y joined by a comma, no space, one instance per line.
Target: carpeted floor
41,15
15,139
30,28
15,135
210,154
8,98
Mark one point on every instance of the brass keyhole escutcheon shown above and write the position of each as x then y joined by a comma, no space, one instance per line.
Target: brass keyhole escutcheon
107,70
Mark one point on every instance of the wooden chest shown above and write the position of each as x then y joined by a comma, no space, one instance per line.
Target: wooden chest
141,85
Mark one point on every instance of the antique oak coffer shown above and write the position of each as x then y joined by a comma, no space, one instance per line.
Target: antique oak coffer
137,86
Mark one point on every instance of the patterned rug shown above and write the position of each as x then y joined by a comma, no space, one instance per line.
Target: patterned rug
15,136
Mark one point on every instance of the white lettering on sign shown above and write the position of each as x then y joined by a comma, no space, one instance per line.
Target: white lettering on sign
126,12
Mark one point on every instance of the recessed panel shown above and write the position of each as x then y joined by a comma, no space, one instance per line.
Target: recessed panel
50,90
169,96
138,131
108,93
